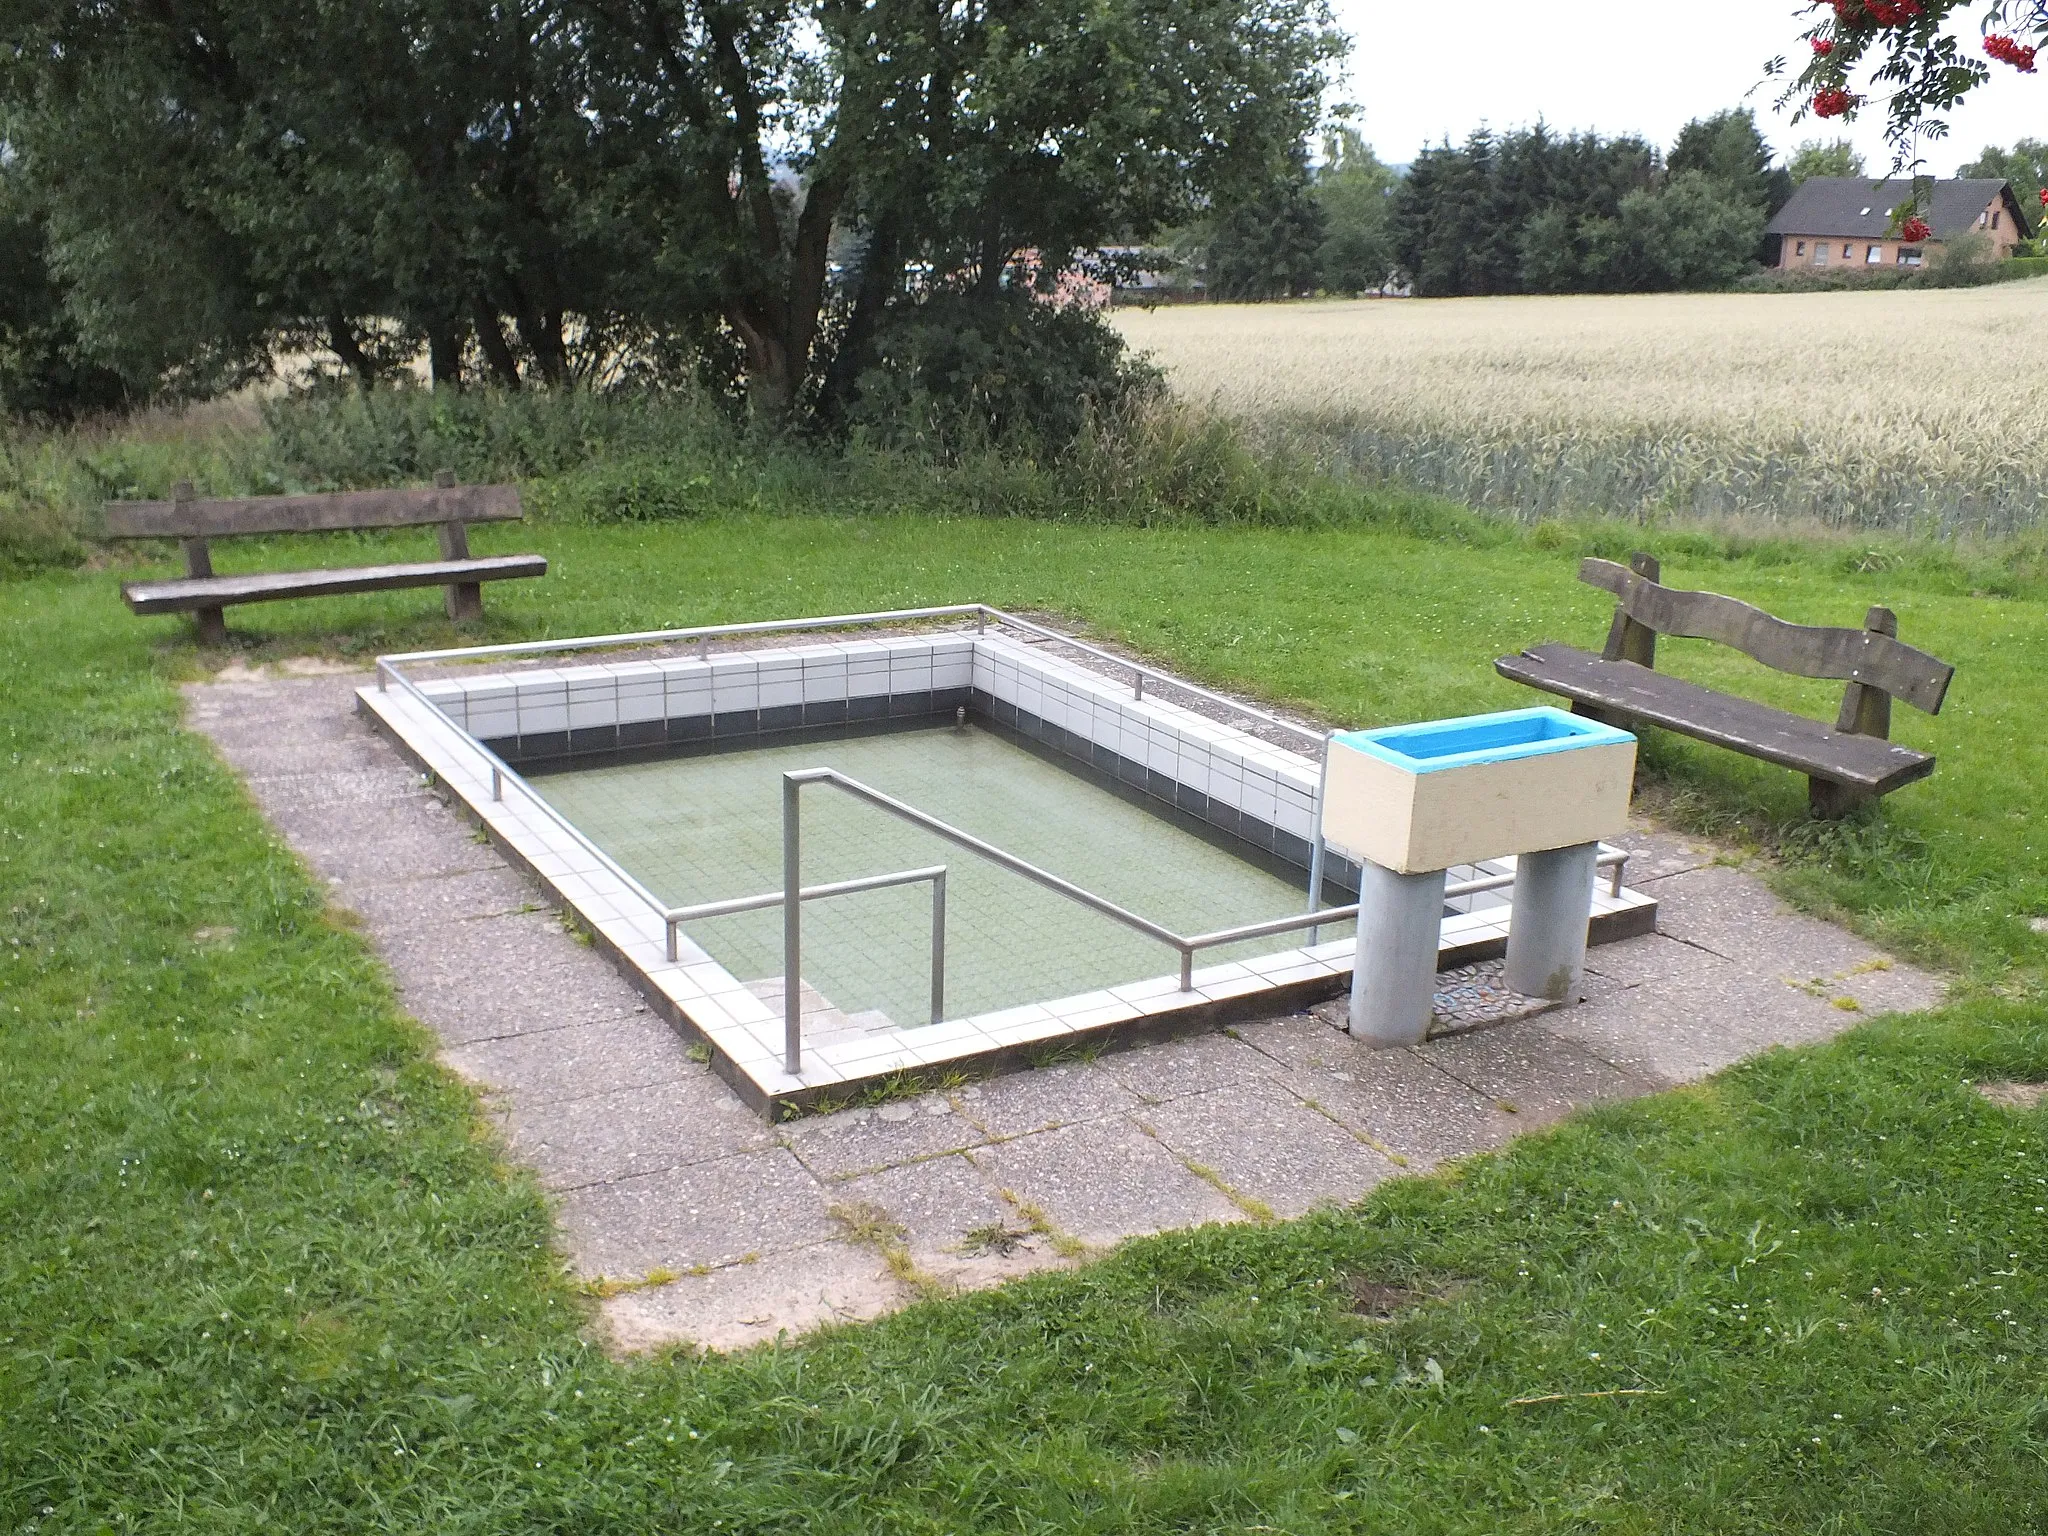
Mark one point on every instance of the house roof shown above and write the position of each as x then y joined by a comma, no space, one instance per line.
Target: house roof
1858,208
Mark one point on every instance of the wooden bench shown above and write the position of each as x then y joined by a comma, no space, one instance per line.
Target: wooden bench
1845,763
204,595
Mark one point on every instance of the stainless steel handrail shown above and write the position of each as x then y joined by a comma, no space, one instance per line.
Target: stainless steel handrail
792,984
792,915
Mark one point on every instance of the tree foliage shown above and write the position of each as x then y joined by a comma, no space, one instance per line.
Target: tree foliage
553,191
1824,157
1265,245
1355,191
2025,165
1532,212
43,372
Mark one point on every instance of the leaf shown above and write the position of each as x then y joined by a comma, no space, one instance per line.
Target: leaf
1432,1372
1347,1436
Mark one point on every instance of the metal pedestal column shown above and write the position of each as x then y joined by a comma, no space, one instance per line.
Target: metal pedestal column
1553,904
1393,976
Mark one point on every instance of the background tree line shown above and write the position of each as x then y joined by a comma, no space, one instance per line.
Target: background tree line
1527,211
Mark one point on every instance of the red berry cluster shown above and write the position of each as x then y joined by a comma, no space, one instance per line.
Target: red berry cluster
1822,47
1914,230
1832,101
2010,51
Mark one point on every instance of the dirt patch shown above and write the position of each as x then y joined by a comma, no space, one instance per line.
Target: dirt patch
1381,1301
2014,1095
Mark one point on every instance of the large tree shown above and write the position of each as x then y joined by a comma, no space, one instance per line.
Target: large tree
1355,191
2025,165
519,183
1817,157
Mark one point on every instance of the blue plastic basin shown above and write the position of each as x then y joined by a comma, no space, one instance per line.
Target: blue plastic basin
1473,739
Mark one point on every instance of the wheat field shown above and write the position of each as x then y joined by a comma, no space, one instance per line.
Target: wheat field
1919,411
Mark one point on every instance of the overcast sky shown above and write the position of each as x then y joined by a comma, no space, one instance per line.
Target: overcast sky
1421,71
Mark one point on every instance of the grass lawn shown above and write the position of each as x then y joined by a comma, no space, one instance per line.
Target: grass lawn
263,1271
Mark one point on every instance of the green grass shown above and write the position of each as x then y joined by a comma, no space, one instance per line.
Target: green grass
262,1270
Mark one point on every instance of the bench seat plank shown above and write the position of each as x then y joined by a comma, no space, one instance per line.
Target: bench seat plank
1866,763
192,593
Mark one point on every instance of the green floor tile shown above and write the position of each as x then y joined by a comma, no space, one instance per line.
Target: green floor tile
706,828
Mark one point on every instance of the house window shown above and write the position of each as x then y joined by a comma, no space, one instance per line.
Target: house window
1994,221
1982,217
1802,248
1874,256
1848,250
1820,253
1908,258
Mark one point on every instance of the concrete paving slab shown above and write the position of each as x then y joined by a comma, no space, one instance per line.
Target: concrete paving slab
743,1305
1655,854
1022,1102
958,1232
578,1060
1400,1102
1722,909
721,1212
335,785
1103,1181
1538,1073
399,906
862,1140
610,1136
1175,1068
382,840
1269,1146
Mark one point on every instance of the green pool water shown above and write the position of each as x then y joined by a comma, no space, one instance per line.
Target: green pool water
705,828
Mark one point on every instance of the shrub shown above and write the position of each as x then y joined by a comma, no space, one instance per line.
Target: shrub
336,440
958,373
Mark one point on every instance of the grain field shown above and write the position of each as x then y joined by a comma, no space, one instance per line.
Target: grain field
1920,411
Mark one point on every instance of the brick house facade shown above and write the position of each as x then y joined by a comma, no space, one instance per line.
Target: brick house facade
1846,221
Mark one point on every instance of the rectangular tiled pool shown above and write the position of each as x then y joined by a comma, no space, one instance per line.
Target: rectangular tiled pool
644,785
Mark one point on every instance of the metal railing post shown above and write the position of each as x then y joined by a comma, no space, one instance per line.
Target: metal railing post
1187,968
792,928
497,782
674,926
1315,855
938,946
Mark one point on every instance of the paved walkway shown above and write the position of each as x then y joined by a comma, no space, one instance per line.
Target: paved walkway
698,1222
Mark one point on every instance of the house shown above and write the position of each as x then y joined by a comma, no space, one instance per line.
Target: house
1846,221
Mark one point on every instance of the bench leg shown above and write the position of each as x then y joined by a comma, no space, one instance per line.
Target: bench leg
1830,801
212,625
465,600
1593,712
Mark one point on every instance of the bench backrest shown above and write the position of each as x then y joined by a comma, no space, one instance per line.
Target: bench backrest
1872,660
187,517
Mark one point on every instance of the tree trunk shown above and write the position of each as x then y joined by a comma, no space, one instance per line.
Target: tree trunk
778,329
341,336
497,352
771,386
880,270
444,354
542,336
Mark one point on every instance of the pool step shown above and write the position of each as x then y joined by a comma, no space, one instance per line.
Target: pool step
824,1020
